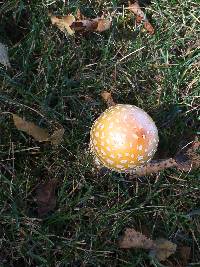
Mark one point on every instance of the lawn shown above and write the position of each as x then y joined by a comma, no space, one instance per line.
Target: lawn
56,80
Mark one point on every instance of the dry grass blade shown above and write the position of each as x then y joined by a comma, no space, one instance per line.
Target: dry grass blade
4,60
107,98
39,134
46,198
134,239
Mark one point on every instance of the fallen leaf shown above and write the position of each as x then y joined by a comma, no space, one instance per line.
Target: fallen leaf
39,134
57,136
136,10
107,97
184,253
4,60
134,239
79,15
160,248
103,25
70,24
163,249
149,27
64,23
45,197
140,16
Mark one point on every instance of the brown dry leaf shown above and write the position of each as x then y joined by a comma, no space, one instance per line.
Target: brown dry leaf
57,136
149,27
163,249
79,15
107,97
70,24
134,239
103,25
185,255
45,197
63,23
136,10
140,16
160,248
39,134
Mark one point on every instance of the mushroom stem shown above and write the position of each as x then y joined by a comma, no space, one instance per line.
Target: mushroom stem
185,161
153,167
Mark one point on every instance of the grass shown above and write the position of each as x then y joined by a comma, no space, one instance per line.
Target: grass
61,78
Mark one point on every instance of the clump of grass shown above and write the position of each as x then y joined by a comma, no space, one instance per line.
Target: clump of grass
62,78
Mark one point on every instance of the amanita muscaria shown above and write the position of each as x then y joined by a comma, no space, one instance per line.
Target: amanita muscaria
124,137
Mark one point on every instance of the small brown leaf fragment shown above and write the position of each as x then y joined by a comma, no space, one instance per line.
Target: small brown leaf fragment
134,239
39,134
139,19
103,25
57,136
136,9
140,16
45,197
163,249
70,24
79,15
63,23
87,25
149,27
184,253
107,97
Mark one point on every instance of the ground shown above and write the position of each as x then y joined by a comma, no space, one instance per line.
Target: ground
57,80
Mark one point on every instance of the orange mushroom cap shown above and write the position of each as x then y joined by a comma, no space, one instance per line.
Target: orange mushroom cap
124,137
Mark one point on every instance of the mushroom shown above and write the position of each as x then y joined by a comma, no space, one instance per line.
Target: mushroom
124,137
